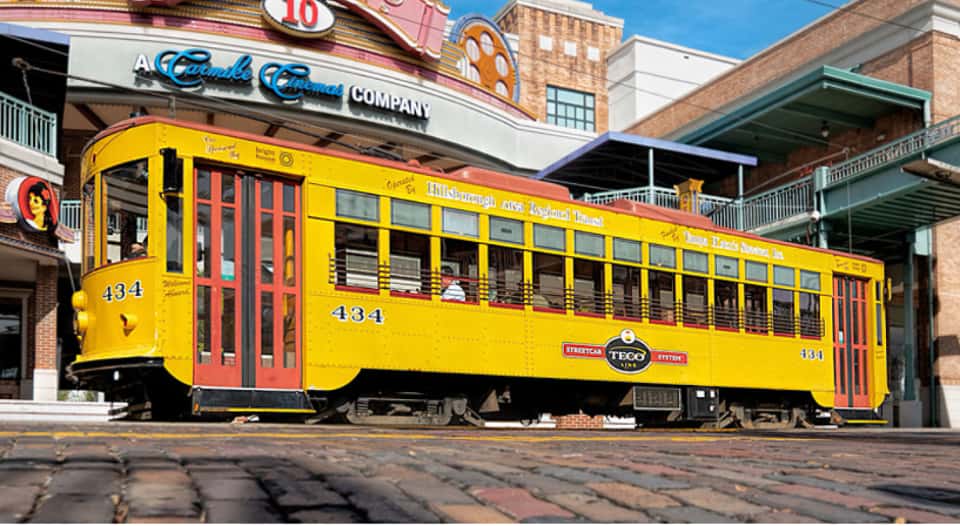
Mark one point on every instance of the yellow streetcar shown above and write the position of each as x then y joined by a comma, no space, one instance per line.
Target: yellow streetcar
225,272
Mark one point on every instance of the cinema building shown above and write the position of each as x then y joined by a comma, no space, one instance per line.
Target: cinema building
395,79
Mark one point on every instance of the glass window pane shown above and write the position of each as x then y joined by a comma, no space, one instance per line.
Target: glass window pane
266,248
266,194
289,252
358,205
627,250
203,241
661,256
784,276
507,230
125,231
551,108
266,329
408,213
203,325
289,331
588,244
228,188
227,246
228,317
203,184
727,267
289,198
809,280
549,237
695,261
461,223
756,271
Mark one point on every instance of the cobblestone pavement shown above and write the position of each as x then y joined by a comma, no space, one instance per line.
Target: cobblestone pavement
269,473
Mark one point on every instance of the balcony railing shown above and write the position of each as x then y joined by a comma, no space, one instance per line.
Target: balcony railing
769,207
70,214
890,153
27,125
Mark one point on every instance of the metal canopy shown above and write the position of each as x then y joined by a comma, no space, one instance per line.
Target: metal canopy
618,160
797,114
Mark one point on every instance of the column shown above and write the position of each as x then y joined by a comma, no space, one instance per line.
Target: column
45,374
651,199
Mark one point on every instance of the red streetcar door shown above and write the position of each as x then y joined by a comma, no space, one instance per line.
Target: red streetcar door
850,337
277,297
247,274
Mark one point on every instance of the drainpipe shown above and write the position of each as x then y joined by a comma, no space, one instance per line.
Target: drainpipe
934,413
650,185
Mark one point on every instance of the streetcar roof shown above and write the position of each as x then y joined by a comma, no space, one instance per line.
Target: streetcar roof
484,177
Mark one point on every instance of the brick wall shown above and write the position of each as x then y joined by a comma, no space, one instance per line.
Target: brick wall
775,63
44,322
541,67
580,421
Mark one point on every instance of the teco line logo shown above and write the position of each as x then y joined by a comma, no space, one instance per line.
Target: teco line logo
309,18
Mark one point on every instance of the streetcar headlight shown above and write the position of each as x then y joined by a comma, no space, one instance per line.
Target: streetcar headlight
81,322
79,300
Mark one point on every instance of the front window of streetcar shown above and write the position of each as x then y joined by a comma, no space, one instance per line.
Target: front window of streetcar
125,226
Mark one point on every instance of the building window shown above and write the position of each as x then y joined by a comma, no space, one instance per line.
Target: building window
570,48
593,54
546,43
571,109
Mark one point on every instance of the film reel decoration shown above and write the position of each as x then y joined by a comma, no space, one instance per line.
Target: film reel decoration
490,61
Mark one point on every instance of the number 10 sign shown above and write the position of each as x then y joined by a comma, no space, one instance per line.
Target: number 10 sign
308,18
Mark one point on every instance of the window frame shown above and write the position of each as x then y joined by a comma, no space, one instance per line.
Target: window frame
564,118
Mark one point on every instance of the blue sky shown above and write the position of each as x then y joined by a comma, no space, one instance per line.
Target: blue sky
736,28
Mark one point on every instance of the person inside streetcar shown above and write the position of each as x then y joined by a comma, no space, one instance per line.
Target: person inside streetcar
451,286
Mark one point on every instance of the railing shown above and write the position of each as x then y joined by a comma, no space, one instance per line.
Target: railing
27,125
888,153
778,204
70,214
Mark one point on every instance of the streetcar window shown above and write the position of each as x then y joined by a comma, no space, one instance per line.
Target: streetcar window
410,214
204,356
661,256
810,315
458,270
506,275
695,299
289,198
549,276
410,262
755,308
588,286
358,205
125,231
356,255
809,280
89,228
756,271
461,223
588,244
174,234
267,268
549,237
725,311
626,292
627,250
507,230
695,261
783,320
204,241
784,276
879,324
727,267
228,238
203,184
662,295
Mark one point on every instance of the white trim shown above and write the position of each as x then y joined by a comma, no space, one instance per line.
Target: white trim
30,162
637,39
45,383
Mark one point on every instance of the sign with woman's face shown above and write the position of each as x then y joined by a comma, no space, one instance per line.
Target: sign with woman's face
34,203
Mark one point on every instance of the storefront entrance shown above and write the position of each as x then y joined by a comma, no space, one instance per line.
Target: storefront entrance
13,344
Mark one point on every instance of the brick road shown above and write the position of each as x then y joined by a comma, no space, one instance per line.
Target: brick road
269,473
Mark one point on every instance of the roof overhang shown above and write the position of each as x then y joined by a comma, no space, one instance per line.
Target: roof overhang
618,160
827,101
